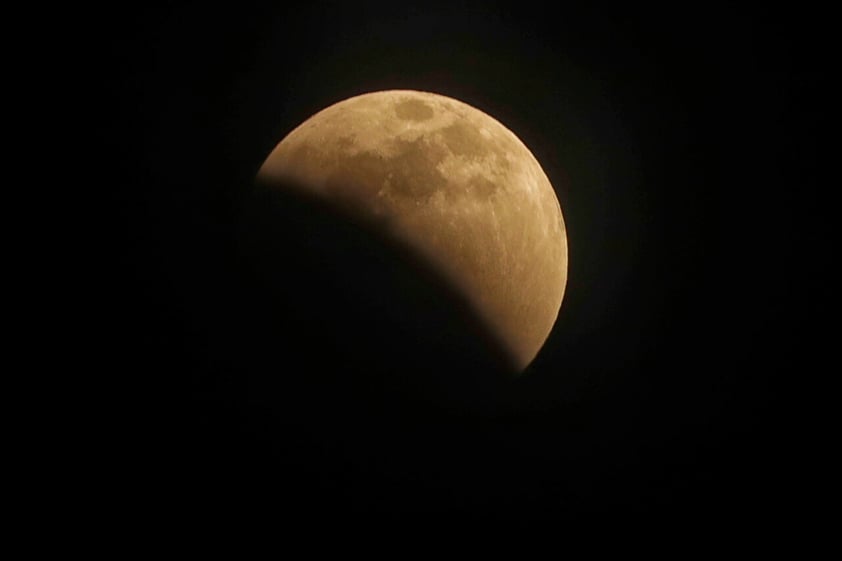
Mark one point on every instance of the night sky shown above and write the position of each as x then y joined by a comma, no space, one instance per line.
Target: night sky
294,364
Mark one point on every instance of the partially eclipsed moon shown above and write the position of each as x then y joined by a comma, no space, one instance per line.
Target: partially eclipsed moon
452,183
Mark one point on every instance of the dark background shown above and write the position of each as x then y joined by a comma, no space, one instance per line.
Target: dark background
290,362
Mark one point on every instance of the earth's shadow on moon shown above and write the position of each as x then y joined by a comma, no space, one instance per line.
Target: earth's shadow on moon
352,325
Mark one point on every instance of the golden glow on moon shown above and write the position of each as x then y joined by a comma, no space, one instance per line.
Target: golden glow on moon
452,183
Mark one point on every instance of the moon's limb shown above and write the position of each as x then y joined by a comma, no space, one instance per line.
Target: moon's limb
455,185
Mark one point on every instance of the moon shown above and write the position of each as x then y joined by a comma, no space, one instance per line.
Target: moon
452,184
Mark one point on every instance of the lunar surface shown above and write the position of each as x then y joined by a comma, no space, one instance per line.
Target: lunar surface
455,186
